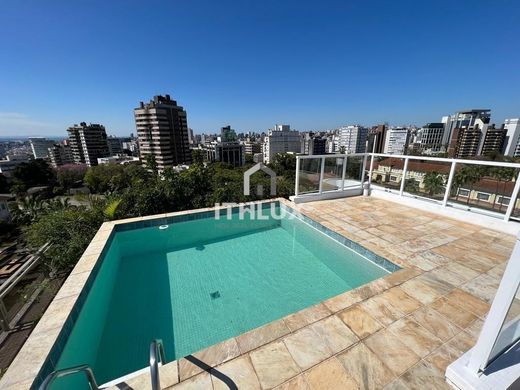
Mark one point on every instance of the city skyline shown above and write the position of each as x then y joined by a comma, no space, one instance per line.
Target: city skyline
255,64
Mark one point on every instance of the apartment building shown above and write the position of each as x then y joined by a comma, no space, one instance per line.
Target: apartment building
88,143
60,154
512,139
351,139
281,139
396,140
162,130
429,138
40,146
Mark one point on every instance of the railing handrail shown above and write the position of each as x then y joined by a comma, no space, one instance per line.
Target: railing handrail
68,371
156,346
413,157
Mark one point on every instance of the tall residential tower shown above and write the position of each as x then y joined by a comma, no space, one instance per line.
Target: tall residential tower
162,130
88,143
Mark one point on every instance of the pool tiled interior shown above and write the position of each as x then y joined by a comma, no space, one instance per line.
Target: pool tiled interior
397,332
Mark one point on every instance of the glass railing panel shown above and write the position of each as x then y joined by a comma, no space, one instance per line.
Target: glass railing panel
387,172
309,175
332,173
488,188
426,179
354,171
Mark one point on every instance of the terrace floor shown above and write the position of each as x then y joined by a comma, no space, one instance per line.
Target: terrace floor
398,332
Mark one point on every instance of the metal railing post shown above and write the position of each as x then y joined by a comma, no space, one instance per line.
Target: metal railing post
322,170
363,170
156,357
403,178
297,179
343,173
449,184
371,169
512,200
4,321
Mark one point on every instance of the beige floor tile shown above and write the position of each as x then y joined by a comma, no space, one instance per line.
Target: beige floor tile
330,375
273,364
262,335
392,351
199,382
212,356
307,348
382,310
420,291
425,376
401,276
417,338
462,342
365,367
398,298
454,313
306,316
468,302
443,357
240,371
342,301
335,333
296,383
359,321
435,323
397,384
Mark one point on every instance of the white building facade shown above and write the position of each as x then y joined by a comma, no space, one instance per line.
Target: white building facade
512,144
281,139
351,139
396,140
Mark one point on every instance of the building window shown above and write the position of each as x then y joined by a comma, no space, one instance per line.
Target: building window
463,192
393,178
482,196
503,200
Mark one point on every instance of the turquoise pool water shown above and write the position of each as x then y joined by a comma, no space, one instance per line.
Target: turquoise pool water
200,282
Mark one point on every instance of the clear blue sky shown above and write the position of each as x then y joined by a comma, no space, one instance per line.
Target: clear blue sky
251,64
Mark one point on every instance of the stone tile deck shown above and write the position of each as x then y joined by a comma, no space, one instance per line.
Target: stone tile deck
398,332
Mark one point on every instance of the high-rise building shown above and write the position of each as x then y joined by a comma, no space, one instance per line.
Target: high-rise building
252,147
376,139
162,129
88,143
464,142
429,138
493,140
60,154
115,146
232,153
512,141
281,139
351,139
227,134
396,140
40,146
465,119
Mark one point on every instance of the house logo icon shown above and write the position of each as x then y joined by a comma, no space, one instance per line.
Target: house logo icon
251,171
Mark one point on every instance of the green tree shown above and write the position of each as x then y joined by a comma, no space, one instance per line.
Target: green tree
151,163
197,156
31,174
411,186
71,175
433,183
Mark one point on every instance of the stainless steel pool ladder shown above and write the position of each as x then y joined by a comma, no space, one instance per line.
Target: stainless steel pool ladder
69,371
156,351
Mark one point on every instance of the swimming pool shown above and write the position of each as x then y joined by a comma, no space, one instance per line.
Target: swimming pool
196,280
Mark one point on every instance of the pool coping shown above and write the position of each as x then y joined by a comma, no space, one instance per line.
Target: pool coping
32,362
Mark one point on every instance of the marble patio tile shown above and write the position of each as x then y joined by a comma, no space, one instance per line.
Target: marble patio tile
497,271
212,356
273,364
296,383
436,283
448,276
475,263
334,333
464,272
420,291
342,301
420,261
425,376
413,335
398,298
201,381
330,375
262,335
306,316
401,276
474,329
168,375
382,310
453,312
397,384
435,323
365,367
462,342
433,257
483,287
392,351
73,285
359,321
443,357
468,302
85,263
240,371
307,348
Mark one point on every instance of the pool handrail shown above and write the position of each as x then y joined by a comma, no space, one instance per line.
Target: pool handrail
156,357
68,371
